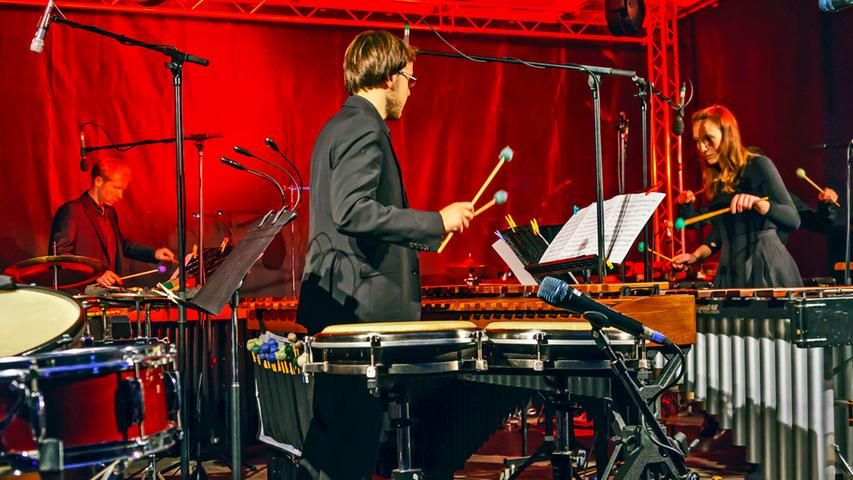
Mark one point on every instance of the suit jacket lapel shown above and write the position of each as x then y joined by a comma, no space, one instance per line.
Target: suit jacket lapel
89,208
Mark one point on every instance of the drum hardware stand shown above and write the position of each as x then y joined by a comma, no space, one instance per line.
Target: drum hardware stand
564,463
398,409
647,446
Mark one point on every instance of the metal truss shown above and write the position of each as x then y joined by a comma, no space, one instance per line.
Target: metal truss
555,19
666,153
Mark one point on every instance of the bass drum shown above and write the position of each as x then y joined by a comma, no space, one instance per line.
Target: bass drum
36,319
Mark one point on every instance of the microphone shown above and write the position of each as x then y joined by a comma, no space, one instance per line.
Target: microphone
244,152
82,151
561,295
834,5
678,125
272,145
38,40
257,173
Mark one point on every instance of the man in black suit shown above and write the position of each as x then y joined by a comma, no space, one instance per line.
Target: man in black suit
89,225
362,259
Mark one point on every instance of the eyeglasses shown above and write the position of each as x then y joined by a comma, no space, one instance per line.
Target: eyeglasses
411,78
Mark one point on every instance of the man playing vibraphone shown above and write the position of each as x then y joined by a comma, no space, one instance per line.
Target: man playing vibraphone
362,259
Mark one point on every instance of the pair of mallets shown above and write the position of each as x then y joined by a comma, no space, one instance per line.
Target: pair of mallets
681,222
500,196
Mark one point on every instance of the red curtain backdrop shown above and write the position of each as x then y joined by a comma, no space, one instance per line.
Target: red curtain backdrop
285,82
782,66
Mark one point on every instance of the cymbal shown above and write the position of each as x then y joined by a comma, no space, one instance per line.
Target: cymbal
71,270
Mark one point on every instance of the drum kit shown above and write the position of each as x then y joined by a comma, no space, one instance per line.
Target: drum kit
67,398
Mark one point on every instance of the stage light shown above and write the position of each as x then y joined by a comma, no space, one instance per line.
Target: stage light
625,17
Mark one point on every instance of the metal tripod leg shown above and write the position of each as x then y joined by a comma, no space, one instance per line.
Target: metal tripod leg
398,409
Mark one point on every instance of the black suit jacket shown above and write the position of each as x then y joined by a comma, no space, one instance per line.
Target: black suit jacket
362,259
75,231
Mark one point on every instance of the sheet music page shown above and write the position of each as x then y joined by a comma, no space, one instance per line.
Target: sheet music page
563,241
513,262
624,218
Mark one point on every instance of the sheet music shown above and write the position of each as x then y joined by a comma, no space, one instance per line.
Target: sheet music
624,218
513,262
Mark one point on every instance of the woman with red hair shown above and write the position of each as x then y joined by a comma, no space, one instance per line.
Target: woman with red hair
751,255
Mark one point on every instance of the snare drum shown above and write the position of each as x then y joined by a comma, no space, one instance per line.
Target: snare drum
87,406
394,348
549,346
36,319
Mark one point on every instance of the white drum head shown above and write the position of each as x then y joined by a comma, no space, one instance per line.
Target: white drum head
33,317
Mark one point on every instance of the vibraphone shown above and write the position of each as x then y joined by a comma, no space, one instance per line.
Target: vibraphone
775,366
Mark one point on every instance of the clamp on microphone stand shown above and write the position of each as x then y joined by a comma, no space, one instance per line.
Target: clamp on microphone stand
646,445
175,66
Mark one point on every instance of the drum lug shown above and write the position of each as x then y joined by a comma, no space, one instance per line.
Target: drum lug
538,364
480,364
38,412
51,455
130,406
172,381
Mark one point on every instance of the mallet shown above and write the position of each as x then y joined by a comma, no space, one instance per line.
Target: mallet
503,157
680,223
159,269
642,248
499,199
802,174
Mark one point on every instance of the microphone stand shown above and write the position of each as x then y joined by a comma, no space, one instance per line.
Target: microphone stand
195,137
847,220
622,154
643,93
644,444
595,73
175,66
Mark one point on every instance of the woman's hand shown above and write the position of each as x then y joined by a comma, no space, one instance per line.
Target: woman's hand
686,196
744,202
682,260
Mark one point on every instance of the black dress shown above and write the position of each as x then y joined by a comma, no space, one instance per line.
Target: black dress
751,253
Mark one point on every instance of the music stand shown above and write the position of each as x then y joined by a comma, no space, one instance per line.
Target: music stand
223,287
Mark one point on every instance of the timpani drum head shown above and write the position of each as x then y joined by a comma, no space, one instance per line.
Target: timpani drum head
554,345
394,346
34,319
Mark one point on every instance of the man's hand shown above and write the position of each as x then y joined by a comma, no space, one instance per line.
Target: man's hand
165,255
456,216
108,279
686,196
828,195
